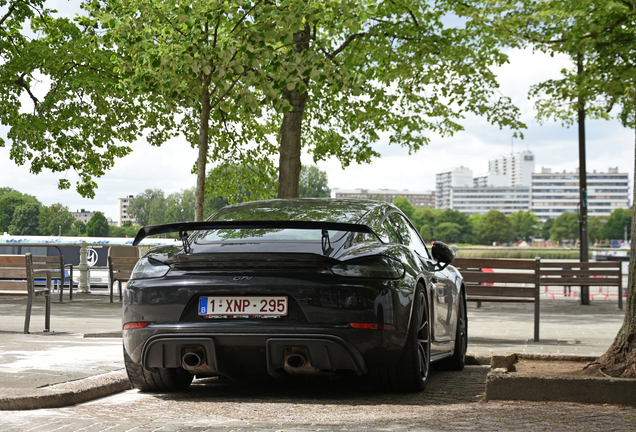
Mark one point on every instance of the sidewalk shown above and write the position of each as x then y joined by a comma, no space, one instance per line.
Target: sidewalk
86,340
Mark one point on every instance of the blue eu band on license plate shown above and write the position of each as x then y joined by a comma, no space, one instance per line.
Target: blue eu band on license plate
243,306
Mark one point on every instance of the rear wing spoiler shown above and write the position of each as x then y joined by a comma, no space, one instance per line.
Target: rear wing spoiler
184,227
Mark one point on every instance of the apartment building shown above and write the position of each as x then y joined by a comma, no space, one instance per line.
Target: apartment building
460,177
515,169
482,199
556,193
82,215
123,210
418,199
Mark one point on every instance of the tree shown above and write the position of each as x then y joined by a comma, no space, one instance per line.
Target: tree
78,121
80,226
496,227
55,220
204,62
25,220
448,232
370,70
126,230
97,226
525,224
455,217
405,205
240,183
546,228
348,71
147,208
475,225
10,200
595,228
566,227
8,204
618,225
313,183
426,233
600,34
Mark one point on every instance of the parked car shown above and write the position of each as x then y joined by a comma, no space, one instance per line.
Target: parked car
294,287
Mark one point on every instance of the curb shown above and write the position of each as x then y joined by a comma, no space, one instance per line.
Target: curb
68,393
503,385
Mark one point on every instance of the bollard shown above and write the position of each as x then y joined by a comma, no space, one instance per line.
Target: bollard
84,283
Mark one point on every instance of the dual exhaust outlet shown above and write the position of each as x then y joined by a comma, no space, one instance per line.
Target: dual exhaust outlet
296,361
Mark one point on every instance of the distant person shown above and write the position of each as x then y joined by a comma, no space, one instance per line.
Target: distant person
567,289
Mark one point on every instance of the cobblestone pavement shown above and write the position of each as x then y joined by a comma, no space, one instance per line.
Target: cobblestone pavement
452,401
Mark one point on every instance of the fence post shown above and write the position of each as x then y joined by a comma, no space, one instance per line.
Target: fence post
620,284
537,296
84,285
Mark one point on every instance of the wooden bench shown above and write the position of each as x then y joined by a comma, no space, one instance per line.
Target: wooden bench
17,279
119,270
583,274
57,268
511,280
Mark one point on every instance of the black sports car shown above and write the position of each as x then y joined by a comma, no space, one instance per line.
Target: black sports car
294,287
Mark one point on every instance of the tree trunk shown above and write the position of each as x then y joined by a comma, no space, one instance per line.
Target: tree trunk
203,152
583,233
291,129
620,358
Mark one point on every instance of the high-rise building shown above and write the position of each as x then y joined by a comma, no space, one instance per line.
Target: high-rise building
515,169
556,193
446,181
123,210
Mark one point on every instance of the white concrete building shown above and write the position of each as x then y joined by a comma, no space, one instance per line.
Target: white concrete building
123,210
446,181
482,199
417,198
556,193
515,169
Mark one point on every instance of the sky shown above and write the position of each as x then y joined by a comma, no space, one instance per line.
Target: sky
169,167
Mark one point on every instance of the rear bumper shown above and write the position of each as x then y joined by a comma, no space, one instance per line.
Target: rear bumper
232,355
244,352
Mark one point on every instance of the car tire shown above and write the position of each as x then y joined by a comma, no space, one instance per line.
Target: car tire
458,360
410,373
164,380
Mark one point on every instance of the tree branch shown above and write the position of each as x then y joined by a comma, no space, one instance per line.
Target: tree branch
243,17
8,14
20,83
587,36
345,44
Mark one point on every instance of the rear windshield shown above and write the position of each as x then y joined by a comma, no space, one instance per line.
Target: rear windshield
228,235
301,210
304,210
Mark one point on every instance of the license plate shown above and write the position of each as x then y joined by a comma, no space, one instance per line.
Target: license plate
242,306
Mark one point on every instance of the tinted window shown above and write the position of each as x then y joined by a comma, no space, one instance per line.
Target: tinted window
407,234
390,233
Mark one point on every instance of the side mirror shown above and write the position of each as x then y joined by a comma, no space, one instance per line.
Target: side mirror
443,254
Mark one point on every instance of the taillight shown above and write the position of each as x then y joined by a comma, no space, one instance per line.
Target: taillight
377,267
372,326
135,325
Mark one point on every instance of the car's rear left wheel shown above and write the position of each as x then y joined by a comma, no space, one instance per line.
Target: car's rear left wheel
166,380
410,373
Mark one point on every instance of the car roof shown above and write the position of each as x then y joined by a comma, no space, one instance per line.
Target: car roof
306,209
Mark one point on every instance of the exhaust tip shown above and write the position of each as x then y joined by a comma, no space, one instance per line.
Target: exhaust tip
296,360
192,360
